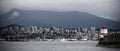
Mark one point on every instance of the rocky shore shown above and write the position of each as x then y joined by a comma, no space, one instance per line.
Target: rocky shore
112,40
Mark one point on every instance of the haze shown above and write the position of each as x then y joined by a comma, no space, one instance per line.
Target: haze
103,8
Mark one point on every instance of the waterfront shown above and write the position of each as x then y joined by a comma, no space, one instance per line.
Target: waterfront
53,46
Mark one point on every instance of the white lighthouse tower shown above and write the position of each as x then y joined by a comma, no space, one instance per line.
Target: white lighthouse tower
103,32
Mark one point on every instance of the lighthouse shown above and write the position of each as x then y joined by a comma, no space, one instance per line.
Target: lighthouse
103,32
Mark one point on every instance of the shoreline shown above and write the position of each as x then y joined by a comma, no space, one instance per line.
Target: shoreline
109,44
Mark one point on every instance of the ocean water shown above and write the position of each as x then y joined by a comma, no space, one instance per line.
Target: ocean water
53,46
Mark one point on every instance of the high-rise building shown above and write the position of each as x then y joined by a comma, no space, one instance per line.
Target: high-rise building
40,30
17,28
10,29
34,29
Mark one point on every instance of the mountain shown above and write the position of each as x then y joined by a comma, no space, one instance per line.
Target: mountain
56,18
13,25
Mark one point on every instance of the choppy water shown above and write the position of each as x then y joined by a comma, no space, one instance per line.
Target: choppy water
53,46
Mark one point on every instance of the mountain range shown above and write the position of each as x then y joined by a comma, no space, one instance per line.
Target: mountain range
55,18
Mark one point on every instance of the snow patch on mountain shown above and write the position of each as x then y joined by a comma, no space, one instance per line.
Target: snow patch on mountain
14,15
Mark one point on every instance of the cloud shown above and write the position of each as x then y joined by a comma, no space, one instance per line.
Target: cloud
102,8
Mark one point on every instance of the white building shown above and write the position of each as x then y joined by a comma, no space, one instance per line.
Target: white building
103,32
34,29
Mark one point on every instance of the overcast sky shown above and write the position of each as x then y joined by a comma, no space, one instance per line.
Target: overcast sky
102,8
